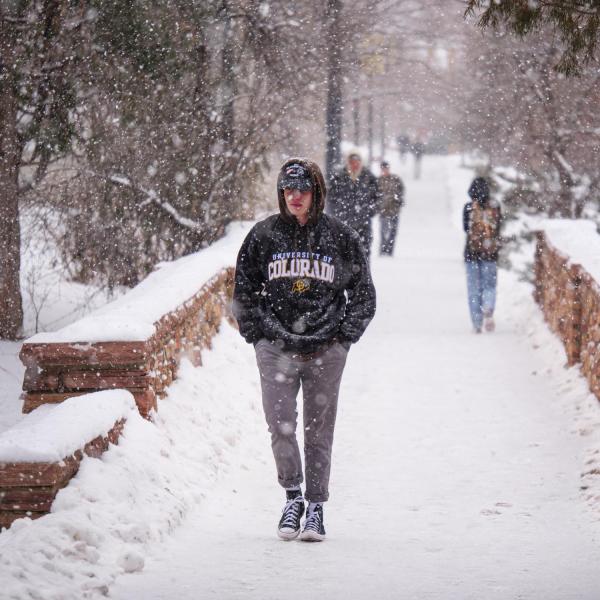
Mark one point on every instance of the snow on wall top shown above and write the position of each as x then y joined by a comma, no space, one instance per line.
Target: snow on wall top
52,432
132,316
578,239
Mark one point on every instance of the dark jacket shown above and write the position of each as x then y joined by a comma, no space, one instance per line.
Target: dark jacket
470,256
354,202
391,189
303,286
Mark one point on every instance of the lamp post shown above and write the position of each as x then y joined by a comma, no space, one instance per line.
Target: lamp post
356,119
334,90
372,63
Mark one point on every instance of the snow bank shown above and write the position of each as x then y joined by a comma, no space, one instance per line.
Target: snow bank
121,505
578,239
53,432
132,317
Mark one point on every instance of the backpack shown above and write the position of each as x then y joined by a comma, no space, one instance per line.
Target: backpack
482,239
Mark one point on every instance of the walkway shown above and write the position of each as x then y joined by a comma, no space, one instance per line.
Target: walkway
455,475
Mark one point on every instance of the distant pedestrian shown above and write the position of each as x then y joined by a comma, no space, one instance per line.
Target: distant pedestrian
391,189
481,222
403,142
418,149
354,198
303,294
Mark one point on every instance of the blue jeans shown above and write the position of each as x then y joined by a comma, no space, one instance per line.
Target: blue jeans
481,289
389,227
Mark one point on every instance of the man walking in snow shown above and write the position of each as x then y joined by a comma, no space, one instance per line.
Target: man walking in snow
303,294
392,200
354,198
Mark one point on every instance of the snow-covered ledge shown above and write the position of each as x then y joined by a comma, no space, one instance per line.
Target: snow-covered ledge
40,454
136,341
567,276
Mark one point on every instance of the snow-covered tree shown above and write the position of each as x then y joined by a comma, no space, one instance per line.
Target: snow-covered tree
522,113
39,66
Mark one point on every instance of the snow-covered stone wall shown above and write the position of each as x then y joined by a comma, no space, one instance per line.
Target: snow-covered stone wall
68,364
129,352
567,276
137,341
40,455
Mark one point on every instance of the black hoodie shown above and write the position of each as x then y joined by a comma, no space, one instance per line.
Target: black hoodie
303,286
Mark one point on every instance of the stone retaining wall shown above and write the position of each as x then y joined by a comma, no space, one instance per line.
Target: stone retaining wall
56,371
27,489
589,293
570,300
60,370
557,291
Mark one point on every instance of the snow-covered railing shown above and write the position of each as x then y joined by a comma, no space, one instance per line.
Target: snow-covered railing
40,454
137,341
567,277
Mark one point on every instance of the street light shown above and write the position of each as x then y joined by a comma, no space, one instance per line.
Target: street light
372,62
333,116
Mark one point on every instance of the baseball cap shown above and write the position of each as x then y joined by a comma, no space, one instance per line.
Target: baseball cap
295,176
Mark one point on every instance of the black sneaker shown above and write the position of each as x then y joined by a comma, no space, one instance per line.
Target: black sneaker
314,529
289,524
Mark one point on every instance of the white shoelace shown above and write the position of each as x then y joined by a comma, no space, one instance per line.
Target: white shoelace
313,521
291,511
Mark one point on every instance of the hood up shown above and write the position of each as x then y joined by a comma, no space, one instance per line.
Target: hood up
318,187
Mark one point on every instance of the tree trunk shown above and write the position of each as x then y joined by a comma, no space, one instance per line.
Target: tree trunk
11,305
228,78
334,89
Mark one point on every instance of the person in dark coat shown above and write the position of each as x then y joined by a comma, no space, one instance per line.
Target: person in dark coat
392,200
418,149
303,295
481,222
355,198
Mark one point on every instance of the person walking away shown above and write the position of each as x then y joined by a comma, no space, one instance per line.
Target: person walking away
403,142
481,222
418,149
391,189
355,198
303,294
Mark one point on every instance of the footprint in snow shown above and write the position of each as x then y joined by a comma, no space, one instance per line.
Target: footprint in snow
490,512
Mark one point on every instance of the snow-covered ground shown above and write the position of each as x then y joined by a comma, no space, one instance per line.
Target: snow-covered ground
458,470
117,508
458,458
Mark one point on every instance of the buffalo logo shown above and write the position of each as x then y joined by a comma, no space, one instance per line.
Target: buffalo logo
300,286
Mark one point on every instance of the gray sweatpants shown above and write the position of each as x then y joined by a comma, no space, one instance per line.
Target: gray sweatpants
281,374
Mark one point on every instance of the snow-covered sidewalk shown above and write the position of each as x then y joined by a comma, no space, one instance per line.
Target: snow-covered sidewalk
457,461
